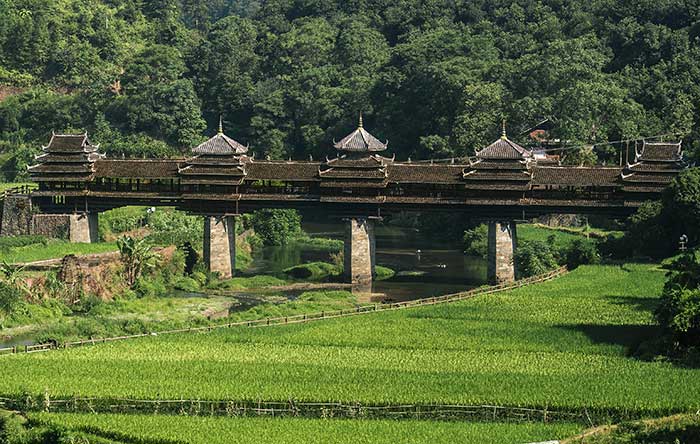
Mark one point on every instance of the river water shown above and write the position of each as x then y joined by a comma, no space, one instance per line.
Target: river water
424,267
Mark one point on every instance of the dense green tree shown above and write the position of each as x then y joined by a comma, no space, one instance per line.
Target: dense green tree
288,76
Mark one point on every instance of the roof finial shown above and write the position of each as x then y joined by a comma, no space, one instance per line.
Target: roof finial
503,131
360,123
221,125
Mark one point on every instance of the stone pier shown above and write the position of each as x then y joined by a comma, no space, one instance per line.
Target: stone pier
359,252
78,228
83,228
502,243
220,244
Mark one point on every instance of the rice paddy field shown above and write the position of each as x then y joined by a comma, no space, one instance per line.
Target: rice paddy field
563,344
208,430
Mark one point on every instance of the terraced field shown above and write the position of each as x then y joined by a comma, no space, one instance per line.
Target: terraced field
207,430
560,345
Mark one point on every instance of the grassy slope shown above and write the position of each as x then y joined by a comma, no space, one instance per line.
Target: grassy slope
54,249
677,429
560,344
203,430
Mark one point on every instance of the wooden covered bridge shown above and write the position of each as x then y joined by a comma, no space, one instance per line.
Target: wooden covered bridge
219,180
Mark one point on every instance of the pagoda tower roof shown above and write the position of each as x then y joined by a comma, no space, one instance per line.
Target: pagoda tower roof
504,149
360,141
220,145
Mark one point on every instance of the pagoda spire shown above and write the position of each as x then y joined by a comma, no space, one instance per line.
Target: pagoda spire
504,136
221,125
359,125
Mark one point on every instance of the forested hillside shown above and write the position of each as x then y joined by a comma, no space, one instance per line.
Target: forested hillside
435,77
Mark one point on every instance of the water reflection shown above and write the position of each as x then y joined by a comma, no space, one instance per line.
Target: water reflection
424,267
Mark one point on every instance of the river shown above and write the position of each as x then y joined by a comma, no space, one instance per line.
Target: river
424,267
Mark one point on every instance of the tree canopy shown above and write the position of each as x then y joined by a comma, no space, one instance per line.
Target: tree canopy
434,77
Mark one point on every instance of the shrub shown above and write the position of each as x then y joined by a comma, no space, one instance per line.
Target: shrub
187,284
10,298
533,258
581,252
11,428
275,226
313,271
679,310
383,273
476,241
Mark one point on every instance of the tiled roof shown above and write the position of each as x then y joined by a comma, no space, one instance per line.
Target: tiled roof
492,175
350,173
196,170
649,177
670,167
416,173
360,141
290,171
220,144
660,151
363,162
575,176
348,183
137,168
503,148
61,168
70,143
499,164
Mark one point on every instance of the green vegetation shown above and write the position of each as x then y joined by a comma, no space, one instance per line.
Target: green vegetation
541,248
656,227
138,428
383,273
679,311
502,349
52,249
314,271
433,78
276,227
678,429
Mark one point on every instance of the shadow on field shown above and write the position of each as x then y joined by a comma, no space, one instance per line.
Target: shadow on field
634,302
628,336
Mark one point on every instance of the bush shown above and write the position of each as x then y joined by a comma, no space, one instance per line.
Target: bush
11,428
383,273
10,298
150,287
581,252
276,227
679,310
476,241
314,271
533,258
187,284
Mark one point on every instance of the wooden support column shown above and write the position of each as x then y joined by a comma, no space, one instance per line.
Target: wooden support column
359,252
502,242
220,245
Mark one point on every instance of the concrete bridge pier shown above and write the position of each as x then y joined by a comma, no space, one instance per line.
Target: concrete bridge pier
220,245
359,251
502,242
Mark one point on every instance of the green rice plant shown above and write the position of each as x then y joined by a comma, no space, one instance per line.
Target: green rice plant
562,345
215,430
